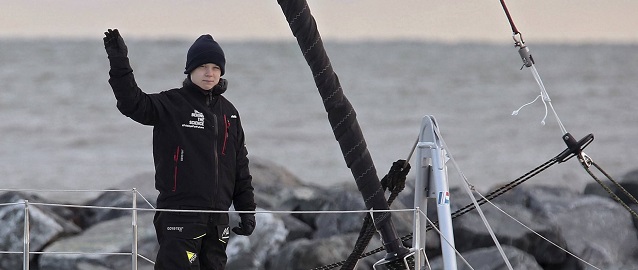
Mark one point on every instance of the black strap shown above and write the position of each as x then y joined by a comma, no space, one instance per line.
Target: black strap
509,18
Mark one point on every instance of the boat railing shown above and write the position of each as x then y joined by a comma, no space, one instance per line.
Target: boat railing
135,210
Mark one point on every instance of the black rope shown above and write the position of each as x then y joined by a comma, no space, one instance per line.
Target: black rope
618,185
482,201
395,182
492,195
575,148
612,194
502,190
348,133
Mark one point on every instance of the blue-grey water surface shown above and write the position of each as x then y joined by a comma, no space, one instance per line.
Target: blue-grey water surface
60,128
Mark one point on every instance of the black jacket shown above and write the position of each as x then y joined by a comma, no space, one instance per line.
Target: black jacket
198,145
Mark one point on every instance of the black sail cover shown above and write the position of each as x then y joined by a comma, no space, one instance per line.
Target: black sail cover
342,118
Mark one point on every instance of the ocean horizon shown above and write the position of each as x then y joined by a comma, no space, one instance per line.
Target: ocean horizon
61,129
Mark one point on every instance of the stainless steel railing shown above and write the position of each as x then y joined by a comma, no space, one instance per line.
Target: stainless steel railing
26,252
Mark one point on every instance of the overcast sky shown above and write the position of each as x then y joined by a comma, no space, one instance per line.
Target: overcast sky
442,20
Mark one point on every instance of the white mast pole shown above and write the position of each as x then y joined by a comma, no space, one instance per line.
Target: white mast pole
432,182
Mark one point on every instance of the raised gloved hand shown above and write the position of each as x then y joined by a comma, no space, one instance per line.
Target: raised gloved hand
246,226
117,53
114,44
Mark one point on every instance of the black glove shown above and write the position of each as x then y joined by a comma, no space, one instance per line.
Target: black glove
117,53
246,226
114,44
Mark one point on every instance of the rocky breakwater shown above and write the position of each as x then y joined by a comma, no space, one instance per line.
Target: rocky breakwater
585,225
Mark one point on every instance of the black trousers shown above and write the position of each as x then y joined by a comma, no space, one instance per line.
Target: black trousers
195,241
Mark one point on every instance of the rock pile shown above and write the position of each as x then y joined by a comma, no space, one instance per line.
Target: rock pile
584,227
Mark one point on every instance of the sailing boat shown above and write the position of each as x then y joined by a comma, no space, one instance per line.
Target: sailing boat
452,197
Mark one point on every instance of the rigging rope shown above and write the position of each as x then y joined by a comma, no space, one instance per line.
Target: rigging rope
394,181
431,223
587,162
538,234
571,151
469,188
509,18
576,147
528,61
564,155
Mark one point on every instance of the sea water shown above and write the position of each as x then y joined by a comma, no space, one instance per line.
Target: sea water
60,128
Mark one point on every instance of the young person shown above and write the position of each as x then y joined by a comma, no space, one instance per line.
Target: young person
200,157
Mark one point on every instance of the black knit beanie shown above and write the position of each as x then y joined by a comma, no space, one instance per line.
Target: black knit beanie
204,50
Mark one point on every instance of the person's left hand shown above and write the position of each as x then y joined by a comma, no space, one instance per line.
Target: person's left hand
246,226
114,44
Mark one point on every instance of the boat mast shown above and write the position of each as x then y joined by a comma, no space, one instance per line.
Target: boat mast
432,182
344,124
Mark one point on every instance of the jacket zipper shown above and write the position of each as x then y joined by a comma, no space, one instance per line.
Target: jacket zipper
227,126
209,98
216,156
176,159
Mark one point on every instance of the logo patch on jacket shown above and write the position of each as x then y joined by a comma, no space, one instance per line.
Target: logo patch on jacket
191,256
197,120
225,235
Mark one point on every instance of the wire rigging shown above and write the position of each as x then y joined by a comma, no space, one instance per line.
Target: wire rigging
575,148
468,189
538,234
528,61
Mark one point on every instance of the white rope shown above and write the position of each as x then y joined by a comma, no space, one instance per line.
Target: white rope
168,210
476,205
220,211
427,261
77,190
469,185
64,190
144,198
529,103
80,253
487,224
9,204
446,240
146,259
11,252
536,233
545,99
